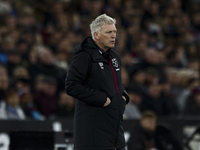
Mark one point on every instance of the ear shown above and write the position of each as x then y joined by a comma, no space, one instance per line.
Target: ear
96,35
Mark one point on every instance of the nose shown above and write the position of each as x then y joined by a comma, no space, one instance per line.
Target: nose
113,35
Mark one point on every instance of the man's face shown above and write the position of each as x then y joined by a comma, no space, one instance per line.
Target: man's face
135,98
46,57
13,100
49,89
149,124
105,39
154,91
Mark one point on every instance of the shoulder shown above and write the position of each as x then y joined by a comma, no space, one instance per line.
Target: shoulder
84,55
115,54
81,59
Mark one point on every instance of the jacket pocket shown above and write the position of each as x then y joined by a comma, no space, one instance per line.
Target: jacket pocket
106,123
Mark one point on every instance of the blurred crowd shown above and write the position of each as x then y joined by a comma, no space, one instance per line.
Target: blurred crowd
158,42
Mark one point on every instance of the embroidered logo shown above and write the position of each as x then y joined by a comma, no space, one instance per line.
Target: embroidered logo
115,63
101,65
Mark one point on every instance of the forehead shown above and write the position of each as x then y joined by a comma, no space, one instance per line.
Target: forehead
108,27
149,119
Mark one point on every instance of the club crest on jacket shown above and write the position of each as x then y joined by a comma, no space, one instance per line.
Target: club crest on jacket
114,62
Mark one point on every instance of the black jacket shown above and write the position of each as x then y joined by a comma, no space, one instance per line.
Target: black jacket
160,139
90,80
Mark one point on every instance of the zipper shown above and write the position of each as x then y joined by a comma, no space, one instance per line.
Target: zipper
114,75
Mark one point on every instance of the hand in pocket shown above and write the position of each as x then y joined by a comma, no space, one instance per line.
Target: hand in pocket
124,98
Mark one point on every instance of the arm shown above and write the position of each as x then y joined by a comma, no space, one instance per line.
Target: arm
74,84
125,94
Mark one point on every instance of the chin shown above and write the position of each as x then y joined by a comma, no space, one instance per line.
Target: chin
112,46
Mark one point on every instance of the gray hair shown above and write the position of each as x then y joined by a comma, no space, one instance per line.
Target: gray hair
96,24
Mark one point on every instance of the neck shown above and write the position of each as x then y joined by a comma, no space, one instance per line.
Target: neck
101,46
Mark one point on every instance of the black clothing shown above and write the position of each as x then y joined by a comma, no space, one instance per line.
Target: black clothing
56,72
160,139
141,139
145,65
192,108
49,70
159,105
90,79
63,111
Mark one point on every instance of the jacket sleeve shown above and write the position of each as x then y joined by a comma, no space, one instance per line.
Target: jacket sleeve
76,76
124,93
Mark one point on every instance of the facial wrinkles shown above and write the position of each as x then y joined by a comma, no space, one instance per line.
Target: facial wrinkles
108,35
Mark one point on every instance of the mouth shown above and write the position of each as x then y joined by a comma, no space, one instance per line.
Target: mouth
112,42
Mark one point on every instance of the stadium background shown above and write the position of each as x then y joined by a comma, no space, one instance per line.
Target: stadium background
158,42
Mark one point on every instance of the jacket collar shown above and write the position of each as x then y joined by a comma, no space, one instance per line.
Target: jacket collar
99,55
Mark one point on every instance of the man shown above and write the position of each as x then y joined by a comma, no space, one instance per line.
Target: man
154,101
45,99
10,108
94,79
148,135
132,110
144,137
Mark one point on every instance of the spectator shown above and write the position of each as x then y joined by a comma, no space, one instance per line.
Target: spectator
138,80
45,99
6,46
186,94
66,105
20,72
38,83
150,136
132,110
174,80
10,108
4,83
192,51
145,136
152,76
60,60
125,77
22,48
194,65
22,85
176,58
151,59
168,97
154,102
46,66
14,60
193,104
29,108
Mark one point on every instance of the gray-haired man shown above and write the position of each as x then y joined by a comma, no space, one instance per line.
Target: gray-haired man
94,79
